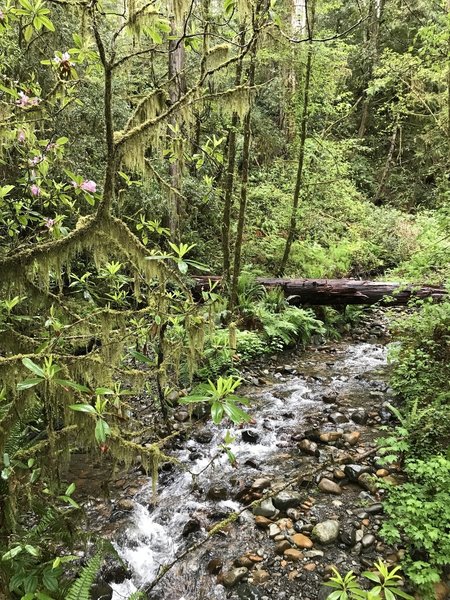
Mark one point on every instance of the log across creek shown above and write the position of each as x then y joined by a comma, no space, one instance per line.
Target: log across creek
338,292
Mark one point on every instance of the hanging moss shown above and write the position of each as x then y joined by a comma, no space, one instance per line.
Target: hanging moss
216,56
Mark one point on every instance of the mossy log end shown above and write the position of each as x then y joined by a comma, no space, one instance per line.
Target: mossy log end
339,292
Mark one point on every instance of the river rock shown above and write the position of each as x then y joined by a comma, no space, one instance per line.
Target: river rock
281,547
250,436
374,509
204,436
261,483
359,416
337,418
262,522
125,504
274,530
368,540
260,577
293,554
231,578
302,541
329,487
266,509
330,436
326,532
217,491
353,472
214,566
191,526
352,438
308,447
367,482
284,500
101,591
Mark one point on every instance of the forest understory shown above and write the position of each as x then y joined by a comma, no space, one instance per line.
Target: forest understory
179,419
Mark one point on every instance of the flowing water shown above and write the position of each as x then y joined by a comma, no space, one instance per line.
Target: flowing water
287,404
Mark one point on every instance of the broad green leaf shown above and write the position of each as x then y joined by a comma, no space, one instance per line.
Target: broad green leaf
70,490
28,383
216,412
12,553
102,430
87,408
32,366
32,550
73,385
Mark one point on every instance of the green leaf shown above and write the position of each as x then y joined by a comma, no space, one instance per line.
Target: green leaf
28,383
70,490
236,414
32,550
216,412
47,23
87,408
12,553
73,385
102,391
142,358
42,596
372,576
102,430
32,366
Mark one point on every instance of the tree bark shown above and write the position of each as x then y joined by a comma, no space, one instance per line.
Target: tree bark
229,178
387,167
303,134
339,292
176,89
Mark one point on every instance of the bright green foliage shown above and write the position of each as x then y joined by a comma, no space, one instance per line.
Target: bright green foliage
80,589
419,512
221,397
387,585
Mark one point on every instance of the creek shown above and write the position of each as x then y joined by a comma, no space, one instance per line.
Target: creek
320,412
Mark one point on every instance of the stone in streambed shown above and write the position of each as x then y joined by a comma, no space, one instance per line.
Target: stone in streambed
285,500
250,436
359,416
368,540
266,509
293,554
329,487
337,418
354,472
262,522
302,541
352,438
326,532
260,577
281,547
231,578
308,447
217,492
191,526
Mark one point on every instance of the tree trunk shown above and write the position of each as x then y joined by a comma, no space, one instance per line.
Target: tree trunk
177,88
244,186
339,292
229,178
373,36
303,133
387,167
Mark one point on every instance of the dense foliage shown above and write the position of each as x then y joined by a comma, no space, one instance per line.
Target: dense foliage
144,142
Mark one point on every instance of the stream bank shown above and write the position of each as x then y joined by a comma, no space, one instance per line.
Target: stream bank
310,447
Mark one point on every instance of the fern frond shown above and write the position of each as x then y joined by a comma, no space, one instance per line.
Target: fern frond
81,588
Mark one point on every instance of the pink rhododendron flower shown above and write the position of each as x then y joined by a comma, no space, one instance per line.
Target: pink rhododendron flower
21,137
35,190
89,186
49,222
25,101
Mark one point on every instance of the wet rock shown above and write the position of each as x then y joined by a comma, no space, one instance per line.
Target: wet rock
308,447
375,509
330,436
181,416
337,418
101,591
441,590
302,541
214,566
262,522
346,536
261,483
368,540
281,547
217,491
244,561
352,438
294,514
359,416
285,524
260,577
326,532
244,591
231,578
367,482
204,436
289,369
382,473
310,567
314,553
293,554
125,504
329,397
274,530
191,526
329,487
266,509
353,472
250,436
286,499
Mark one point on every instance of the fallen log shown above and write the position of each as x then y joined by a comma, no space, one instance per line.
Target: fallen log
338,292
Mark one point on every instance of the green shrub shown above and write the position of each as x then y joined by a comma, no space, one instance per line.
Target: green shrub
419,514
